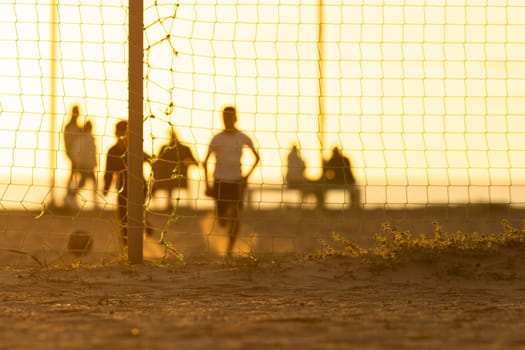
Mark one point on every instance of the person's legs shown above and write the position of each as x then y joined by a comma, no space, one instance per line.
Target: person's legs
122,216
229,204
70,183
70,199
93,178
169,205
82,180
84,176
317,189
72,186
234,227
355,196
222,204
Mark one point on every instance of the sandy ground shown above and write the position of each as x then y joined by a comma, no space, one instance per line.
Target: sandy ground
328,304
52,300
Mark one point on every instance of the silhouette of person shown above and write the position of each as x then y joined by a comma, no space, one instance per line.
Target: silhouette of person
71,132
84,154
338,171
117,169
296,179
228,181
296,168
170,171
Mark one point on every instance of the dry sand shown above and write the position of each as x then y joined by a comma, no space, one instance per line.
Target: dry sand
329,304
262,301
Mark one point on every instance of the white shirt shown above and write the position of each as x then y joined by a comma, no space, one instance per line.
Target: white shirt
227,147
84,152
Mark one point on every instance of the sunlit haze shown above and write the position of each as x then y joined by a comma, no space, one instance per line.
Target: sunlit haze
425,98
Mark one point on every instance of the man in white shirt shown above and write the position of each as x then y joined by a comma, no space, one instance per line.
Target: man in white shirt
228,181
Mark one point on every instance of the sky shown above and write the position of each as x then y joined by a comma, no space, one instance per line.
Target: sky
425,98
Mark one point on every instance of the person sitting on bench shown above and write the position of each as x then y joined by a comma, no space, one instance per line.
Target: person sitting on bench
337,172
296,179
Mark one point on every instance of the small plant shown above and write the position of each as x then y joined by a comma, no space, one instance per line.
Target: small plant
339,246
394,247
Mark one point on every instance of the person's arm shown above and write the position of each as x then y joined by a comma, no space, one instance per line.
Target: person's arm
254,165
205,166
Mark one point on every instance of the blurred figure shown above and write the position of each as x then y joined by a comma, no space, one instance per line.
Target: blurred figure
170,171
117,171
296,179
228,181
338,171
295,168
71,132
84,155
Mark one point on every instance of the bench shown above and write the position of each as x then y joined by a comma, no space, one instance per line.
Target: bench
271,195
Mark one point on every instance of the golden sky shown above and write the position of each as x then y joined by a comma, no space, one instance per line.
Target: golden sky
426,98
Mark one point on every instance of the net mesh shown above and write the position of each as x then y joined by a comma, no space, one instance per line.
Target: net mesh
425,99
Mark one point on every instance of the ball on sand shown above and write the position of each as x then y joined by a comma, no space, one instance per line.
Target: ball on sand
79,242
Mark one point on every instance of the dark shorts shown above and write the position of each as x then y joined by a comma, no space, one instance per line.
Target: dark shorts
228,194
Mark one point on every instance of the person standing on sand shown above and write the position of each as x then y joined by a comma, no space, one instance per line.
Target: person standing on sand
84,151
117,168
170,171
228,181
71,132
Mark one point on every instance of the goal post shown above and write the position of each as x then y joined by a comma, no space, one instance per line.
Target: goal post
135,209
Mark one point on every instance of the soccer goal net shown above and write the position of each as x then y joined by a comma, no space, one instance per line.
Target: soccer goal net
425,100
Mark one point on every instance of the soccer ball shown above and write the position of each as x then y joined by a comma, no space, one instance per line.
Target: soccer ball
79,242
